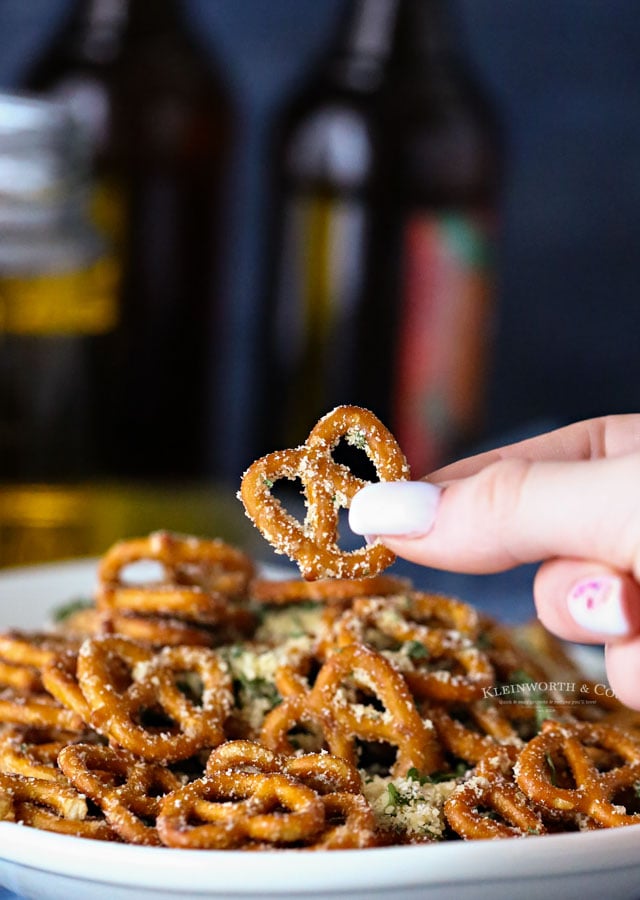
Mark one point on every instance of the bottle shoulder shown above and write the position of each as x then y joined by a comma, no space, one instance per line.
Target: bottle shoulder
330,136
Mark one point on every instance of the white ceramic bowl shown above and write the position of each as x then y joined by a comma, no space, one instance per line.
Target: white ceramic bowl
55,867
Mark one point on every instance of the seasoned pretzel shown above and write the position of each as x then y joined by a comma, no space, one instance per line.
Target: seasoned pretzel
323,772
120,680
349,820
544,756
490,804
22,678
39,817
34,752
61,799
128,790
60,680
36,649
200,577
329,590
37,708
327,486
232,810
334,707
23,654
441,661
487,728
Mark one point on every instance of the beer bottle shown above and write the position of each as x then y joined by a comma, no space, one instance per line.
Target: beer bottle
160,118
442,169
326,189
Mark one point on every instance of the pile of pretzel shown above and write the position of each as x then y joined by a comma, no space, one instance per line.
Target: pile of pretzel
128,720
206,707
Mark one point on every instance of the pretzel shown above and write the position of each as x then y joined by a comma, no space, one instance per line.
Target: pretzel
120,680
436,632
35,649
232,810
542,760
37,708
487,729
321,771
127,790
200,577
349,820
35,816
33,752
23,654
328,486
342,719
330,590
490,804
61,799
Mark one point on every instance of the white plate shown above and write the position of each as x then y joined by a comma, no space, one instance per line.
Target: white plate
55,867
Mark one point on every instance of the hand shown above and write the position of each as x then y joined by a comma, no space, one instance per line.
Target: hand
569,498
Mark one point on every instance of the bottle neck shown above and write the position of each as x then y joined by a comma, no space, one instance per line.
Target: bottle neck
425,34
98,27
364,43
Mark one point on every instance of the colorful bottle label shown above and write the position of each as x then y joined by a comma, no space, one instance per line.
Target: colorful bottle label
319,289
444,335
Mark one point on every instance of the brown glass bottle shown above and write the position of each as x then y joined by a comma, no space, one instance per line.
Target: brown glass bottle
326,195
443,163
161,122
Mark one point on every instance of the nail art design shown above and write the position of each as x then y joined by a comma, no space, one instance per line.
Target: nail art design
596,605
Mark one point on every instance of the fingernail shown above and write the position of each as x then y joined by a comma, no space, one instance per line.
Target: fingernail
596,605
394,508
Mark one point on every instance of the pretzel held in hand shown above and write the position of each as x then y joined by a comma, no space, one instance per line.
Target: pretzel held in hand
328,486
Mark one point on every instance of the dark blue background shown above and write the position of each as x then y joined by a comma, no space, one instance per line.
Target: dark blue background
565,77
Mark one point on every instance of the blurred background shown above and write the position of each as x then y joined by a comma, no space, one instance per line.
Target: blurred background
237,213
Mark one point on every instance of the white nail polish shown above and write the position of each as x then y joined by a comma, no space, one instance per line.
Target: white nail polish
596,605
394,508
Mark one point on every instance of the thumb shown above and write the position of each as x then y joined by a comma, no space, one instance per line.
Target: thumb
511,512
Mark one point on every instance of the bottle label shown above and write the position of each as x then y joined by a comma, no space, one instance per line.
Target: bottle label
444,335
80,301
319,289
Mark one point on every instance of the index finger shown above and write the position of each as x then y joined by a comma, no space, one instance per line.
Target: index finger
607,436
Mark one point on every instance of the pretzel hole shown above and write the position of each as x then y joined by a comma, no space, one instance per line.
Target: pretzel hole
559,772
628,797
154,718
376,756
604,759
191,685
144,571
289,492
306,737
350,451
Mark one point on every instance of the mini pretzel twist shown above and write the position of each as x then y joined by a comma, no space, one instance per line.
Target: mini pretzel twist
200,576
487,728
120,680
541,763
490,804
199,815
328,486
127,789
433,636
33,751
334,707
225,810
